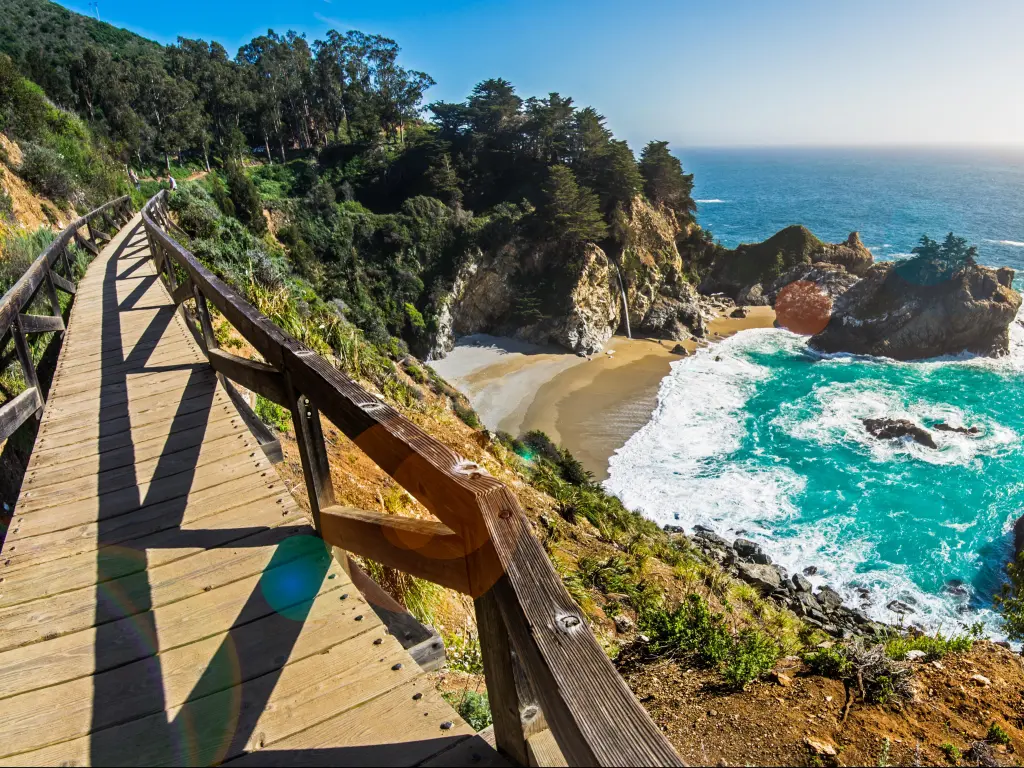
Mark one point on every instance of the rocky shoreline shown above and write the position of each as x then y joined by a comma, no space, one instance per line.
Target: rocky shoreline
824,608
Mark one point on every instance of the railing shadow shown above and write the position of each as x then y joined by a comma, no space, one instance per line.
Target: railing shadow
241,656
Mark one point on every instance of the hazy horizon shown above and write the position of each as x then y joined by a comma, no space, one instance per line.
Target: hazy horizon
702,75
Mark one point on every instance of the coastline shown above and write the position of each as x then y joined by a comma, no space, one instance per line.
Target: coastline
589,406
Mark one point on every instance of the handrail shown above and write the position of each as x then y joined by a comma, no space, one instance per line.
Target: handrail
44,272
537,647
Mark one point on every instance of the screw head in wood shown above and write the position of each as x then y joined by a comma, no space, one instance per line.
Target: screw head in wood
446,725
396,667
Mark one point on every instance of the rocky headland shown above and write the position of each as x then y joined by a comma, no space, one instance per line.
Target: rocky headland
888,314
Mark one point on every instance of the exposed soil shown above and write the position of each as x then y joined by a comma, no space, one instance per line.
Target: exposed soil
768,724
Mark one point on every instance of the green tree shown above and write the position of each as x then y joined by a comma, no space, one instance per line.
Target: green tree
571,212
245,198
664,180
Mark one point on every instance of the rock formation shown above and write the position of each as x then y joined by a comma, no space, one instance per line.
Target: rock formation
754,273
889,315
580,311
888,429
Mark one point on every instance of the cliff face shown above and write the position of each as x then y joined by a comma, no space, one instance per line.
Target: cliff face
889,315
580,310
752,273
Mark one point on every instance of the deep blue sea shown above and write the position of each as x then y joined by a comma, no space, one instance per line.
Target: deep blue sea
758,434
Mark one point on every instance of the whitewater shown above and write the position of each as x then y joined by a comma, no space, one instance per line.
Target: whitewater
760,436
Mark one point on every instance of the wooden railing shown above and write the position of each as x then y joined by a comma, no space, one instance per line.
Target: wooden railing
543,667
45,273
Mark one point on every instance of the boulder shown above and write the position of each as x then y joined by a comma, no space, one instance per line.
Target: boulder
712,538
739,312
887,429
675,317
898,606
851,255
832,280
764,577
746,548
680,350
810,570
944,427
801,584
830,599
909,314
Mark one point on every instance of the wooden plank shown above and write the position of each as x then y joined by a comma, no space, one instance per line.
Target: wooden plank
544,750
41,324
400,727
68,710
16,412
44,544
77,571
64,284
303,694
423,548
223,452
73,656
591,711
74,611
475,751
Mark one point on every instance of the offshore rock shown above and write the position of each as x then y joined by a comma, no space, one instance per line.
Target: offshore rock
887,429
889,314
832,280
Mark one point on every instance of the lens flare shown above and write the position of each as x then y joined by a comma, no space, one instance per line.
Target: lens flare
803,307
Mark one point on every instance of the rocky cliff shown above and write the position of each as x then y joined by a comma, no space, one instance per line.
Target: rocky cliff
889,315
524,288
754,273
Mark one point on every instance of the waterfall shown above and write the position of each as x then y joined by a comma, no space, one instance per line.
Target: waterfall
625,305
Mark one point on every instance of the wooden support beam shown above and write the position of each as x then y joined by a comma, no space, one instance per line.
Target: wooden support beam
86,244
182,292
501,680
259,377
423,548
64,284
41,324
18,410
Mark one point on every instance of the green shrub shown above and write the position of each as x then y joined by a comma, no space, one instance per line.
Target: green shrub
753,655
47,173
245,198
997,734
272,414
951,751
463,653
6,206
829,662
415,373
17,251
467,414
472,707
934,646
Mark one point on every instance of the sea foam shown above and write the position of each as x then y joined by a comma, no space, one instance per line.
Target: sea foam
714,454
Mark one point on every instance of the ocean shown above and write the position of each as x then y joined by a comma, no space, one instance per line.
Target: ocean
759,435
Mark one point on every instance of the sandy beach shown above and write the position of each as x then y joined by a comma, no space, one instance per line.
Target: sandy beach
589,406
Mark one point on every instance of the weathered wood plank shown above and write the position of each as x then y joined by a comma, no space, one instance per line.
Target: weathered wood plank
422,548
260,378
16,412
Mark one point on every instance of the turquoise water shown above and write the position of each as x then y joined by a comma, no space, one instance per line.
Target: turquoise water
758,434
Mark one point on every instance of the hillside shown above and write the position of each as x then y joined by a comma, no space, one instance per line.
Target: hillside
373,234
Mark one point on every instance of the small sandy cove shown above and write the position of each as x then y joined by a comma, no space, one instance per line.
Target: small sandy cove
590,406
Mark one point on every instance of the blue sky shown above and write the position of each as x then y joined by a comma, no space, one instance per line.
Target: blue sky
697,73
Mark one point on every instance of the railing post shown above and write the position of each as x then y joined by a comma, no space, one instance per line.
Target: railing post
500,676
68,273
316,469
51,292
203,312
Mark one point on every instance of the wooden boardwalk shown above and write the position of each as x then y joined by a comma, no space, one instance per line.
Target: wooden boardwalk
163,600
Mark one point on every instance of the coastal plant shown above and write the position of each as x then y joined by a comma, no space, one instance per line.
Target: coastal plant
462,650
934,646
830,662
272,414
473,707
466,414
882,679
997,734
951,751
